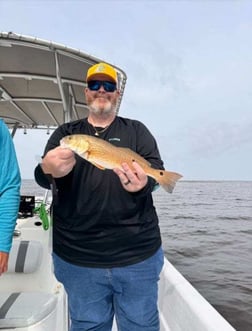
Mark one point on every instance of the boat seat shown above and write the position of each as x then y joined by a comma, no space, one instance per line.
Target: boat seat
25,256
22,309
18,310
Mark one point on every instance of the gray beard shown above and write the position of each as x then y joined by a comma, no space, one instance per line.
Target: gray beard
109,108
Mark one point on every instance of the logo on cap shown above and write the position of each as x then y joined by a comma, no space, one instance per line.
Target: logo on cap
100,68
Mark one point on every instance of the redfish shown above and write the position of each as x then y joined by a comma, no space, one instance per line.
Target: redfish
104,155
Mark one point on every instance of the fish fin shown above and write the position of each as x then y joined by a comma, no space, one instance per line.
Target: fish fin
98,165
83,155
167,179
87,157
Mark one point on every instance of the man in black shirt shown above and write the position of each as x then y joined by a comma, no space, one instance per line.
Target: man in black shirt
106,238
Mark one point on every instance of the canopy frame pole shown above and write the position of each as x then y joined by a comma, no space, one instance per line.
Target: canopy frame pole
64,91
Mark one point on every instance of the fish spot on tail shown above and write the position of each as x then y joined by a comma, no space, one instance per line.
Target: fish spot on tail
161,173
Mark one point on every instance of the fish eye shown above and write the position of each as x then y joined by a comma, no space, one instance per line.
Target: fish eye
161,173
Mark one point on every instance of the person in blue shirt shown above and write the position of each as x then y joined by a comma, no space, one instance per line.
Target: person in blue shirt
10,181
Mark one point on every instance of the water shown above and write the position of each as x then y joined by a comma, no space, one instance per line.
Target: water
207,235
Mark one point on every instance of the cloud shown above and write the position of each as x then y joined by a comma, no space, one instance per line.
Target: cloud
218,138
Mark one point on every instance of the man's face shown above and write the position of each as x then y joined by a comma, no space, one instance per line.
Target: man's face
101,101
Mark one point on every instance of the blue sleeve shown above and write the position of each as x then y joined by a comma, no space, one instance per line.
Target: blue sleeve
9,188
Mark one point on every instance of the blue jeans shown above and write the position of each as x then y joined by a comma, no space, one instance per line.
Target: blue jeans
95,295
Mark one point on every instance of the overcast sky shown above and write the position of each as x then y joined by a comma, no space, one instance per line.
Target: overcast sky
189,69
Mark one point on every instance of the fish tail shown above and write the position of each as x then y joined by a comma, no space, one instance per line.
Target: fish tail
167,179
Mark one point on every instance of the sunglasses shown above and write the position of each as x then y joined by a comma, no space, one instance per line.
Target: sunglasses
95,85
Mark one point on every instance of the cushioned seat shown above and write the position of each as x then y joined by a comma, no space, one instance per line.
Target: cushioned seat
25,256
25,308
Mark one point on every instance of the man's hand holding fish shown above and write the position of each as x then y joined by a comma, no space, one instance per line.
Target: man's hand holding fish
58,162
132,181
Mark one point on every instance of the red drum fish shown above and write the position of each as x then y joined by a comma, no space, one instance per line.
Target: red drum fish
104,155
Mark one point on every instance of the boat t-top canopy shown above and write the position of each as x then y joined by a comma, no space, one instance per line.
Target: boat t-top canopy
42,83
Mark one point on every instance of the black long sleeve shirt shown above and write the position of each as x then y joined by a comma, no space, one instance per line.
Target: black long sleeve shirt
96,223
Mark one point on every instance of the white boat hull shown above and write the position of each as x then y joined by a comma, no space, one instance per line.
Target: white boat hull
182,308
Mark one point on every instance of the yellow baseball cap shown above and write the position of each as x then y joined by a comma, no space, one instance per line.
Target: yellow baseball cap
102,68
